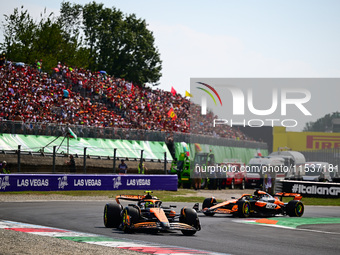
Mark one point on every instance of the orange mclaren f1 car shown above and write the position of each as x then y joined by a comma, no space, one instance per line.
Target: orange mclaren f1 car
261,203
149,214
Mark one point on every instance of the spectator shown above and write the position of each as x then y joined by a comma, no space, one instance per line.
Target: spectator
3,168
72,164
142,168
39,64
80,97
122,168
3,59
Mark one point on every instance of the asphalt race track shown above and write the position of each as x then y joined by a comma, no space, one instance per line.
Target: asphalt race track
219,233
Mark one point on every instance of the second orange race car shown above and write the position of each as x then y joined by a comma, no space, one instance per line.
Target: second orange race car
261,203
149,214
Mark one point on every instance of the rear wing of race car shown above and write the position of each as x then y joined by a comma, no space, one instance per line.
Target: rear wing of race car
280,195
129,197
135,197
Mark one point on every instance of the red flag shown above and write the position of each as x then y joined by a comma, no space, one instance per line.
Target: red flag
172,114
173,91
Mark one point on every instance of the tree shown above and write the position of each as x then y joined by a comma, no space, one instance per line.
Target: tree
324,124
121,45
89,36
19,35
48,39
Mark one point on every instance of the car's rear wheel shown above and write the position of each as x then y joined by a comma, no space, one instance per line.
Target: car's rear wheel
131,216
243,210
207,203
189,217
243,184
295,208
232,184
112,215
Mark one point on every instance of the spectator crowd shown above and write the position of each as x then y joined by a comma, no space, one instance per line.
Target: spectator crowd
80,97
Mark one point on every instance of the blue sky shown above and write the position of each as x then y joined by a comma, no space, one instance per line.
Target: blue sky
231,38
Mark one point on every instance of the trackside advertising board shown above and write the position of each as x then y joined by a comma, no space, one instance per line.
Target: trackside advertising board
54,182
312,189
303,141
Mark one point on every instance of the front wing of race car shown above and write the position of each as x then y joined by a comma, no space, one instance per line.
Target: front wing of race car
165,226
226,207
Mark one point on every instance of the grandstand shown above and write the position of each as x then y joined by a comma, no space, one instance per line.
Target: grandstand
97,105
80,97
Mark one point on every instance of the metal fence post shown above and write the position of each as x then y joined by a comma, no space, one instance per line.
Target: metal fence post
114,159
141,160
84,160
19,154
54,154
165,172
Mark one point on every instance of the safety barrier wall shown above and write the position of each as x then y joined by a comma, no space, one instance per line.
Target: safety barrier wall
312,189
55,182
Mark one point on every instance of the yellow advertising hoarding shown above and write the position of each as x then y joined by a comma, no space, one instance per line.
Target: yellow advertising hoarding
302,141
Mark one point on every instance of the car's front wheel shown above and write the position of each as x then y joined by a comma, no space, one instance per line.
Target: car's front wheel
189,217
295,208
207,203
130,216
112,215
243,210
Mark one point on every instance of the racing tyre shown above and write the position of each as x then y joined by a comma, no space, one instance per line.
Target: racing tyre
232,184
112,215
243,210
207,203
295,208
189,217
243,184
130,216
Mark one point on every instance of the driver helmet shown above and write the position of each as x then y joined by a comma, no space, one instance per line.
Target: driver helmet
149,204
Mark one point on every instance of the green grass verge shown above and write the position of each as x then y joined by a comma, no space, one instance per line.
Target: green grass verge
165,196
318,201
